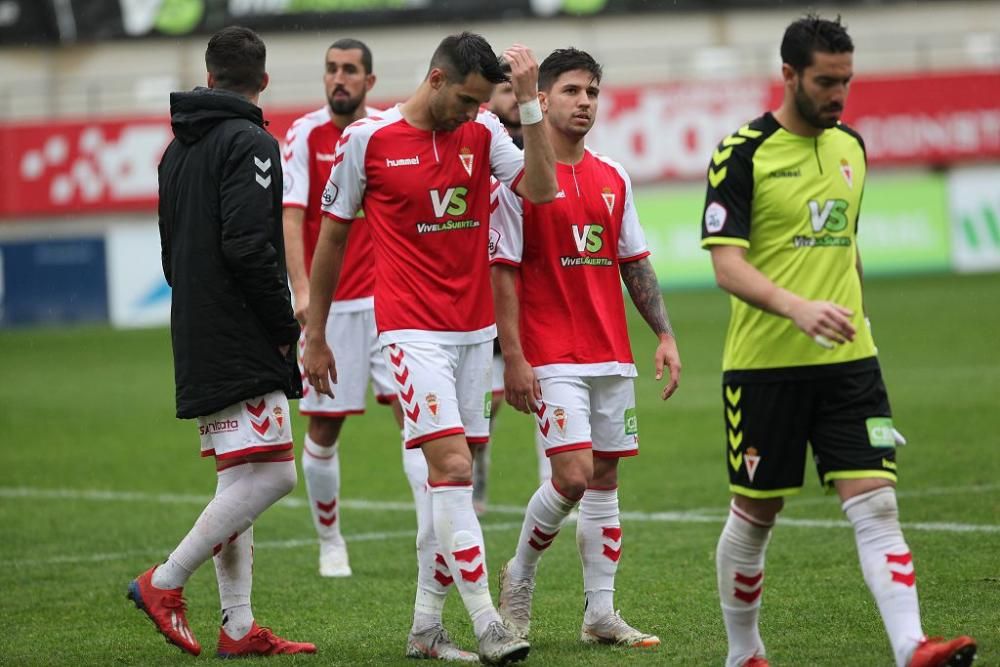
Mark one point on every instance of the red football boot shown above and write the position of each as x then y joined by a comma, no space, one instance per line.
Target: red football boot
259,641
165,608
756,661
936,652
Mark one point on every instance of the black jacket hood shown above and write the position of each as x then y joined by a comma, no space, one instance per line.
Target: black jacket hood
193,114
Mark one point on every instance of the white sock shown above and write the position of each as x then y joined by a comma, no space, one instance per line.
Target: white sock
542,520
888,567
254,488
234,572
321,468
237,621
434,579
599,540
461,537
544,465
739,568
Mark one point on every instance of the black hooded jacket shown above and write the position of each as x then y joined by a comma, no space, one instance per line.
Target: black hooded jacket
224,255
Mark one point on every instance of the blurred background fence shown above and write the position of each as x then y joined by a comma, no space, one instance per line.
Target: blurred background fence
84,120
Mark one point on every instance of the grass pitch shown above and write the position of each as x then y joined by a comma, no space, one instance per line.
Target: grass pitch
98,481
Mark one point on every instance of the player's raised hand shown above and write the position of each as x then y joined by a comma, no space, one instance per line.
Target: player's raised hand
523,72
667,356
319,365
521,387
825,322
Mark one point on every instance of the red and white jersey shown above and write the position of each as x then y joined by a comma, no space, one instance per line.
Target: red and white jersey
426,197
572,313
306,161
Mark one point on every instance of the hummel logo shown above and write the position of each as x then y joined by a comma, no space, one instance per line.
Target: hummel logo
403,162
264,166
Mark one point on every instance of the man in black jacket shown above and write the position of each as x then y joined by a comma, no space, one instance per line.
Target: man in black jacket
233,332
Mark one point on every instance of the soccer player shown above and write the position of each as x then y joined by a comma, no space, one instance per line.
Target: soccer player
421,171
503,104
308,157
233,335
566,347
799,364
350,328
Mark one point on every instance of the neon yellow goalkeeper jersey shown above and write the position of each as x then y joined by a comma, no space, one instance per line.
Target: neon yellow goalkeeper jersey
793,203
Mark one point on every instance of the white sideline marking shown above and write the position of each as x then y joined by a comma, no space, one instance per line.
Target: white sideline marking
711,515
381,536
393,506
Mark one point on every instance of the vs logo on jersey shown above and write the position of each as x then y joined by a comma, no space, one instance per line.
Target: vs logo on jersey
588,238
831,216
450,202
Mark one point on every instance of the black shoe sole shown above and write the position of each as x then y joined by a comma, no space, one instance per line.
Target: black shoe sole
963,657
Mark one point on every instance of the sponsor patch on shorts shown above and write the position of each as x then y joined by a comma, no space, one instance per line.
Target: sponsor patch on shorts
880,432
631,422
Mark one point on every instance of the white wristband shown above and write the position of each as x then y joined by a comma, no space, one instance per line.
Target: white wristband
531,112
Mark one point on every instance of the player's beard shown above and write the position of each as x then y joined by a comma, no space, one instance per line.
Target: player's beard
811,114
508,120
344,106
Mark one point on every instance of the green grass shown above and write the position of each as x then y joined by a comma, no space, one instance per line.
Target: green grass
92,409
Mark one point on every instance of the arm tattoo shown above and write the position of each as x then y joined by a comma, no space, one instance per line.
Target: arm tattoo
640,279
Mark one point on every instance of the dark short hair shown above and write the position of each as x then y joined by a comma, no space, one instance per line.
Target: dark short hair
347,43
810,34
235,58
467,53
561,61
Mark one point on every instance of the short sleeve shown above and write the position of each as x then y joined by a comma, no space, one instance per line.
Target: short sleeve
295,165
506,225
344,192
632,241
506,159
729,198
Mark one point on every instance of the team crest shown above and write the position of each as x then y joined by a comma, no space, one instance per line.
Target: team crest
432,405
609,199
847,173
752,459
560,416
465,155
279,417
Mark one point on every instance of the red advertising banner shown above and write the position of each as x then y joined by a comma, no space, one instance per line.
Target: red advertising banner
658,132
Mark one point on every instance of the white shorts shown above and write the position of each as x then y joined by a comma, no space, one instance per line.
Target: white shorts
497,374
354,341
260,424
588,413
443,389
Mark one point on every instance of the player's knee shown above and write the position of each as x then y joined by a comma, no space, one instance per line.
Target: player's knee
762,509
276,479
455,468
877,503
573,482
324,431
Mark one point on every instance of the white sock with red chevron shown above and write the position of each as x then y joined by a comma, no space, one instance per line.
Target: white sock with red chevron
321,468
461,538
739,568
599,540
234,572
887,566
252,489
542,520
434,579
